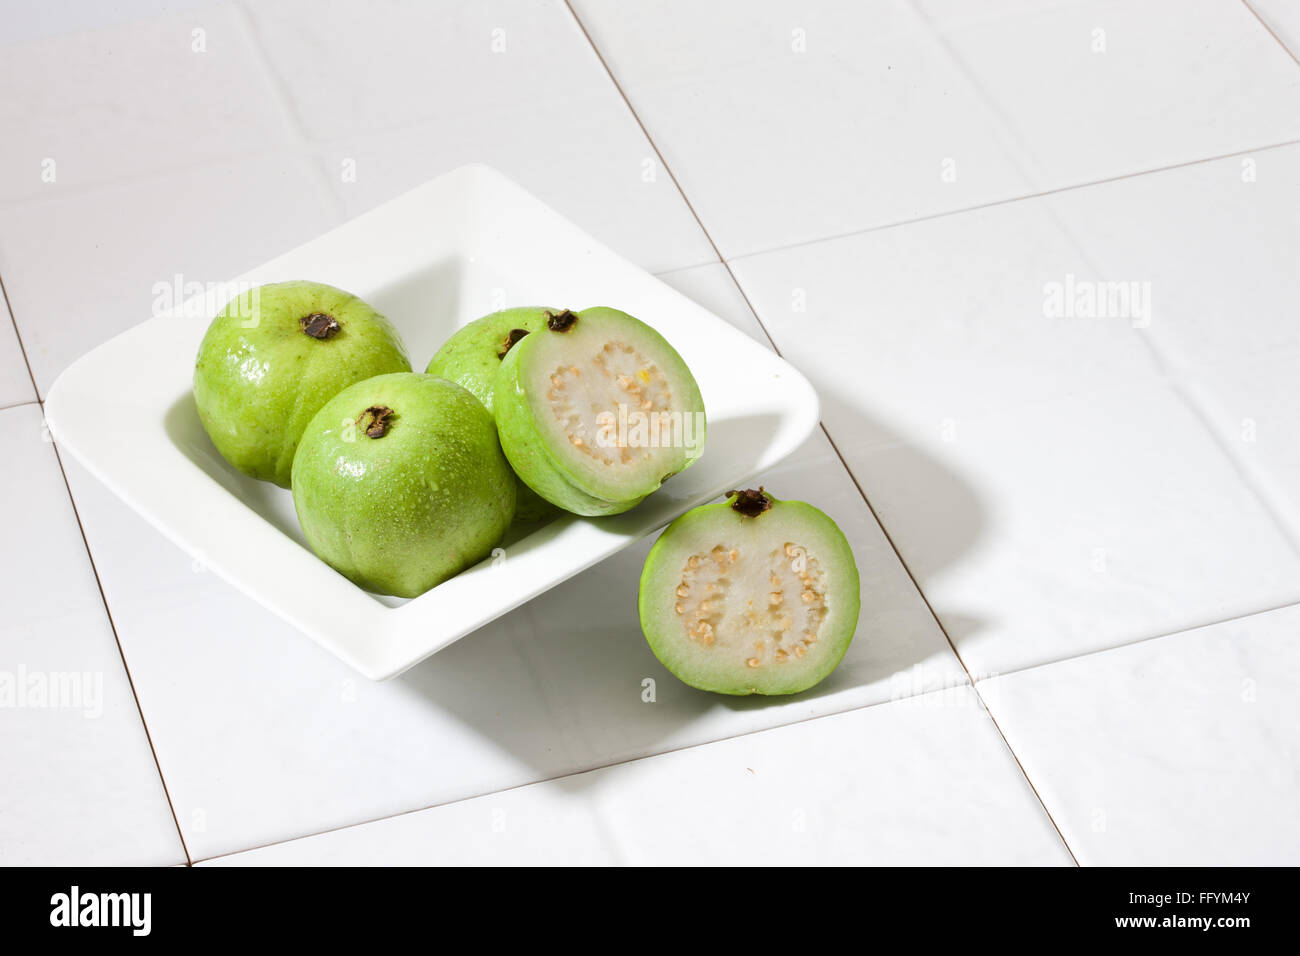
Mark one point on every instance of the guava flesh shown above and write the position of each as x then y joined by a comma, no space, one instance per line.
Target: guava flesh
273,356
750,596
596,410
399,483
472,358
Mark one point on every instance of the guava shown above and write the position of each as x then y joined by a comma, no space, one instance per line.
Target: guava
472,358
273,356
596,410
750,596
399,483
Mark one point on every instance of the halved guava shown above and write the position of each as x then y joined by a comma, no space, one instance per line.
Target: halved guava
472,358
750,596
596,410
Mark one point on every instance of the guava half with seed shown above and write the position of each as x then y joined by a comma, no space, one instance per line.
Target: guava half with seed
399,483
273,356
596,410
750,596
472,358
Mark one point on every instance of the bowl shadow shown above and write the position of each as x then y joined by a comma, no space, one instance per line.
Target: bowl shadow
566,682
580,651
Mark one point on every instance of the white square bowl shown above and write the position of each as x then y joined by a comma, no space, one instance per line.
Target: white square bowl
458,247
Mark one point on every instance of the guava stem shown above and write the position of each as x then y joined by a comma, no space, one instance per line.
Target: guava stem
749,502
375,420
560,321
511,341
319,325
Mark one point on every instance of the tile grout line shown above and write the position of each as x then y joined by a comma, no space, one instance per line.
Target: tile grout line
938,623
1218,622
1011,143
65,191
1009,200
1173,382
22,349
125,667
1185,391
644,132
1270,31
76,513
719,261
284,102
594,769
1172,377
727,265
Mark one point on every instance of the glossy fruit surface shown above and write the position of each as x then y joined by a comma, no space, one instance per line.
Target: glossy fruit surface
472,358
273,356
399,483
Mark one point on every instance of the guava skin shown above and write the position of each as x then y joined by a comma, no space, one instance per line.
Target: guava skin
533,457
269,361
399,483
757,522
472,358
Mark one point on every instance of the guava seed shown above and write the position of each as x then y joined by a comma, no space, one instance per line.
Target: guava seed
714,610
319,325
626,387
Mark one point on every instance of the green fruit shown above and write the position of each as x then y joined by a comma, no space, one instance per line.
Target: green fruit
750,596
596,410
273,356
399,483
472,357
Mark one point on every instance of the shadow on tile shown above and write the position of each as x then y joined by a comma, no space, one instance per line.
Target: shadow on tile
581,644
567,683
958,518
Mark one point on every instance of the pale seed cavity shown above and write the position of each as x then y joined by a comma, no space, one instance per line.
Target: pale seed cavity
616,410
771,626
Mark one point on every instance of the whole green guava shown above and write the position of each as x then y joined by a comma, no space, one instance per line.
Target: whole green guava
399,483
472,358
273,356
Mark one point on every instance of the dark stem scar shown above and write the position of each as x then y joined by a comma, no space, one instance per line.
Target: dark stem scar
375,420
511,341
560,321
319,325
749,502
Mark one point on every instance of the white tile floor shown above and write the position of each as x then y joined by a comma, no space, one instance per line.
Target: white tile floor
1282,17
81,785
1094,515
1181,749
15,381
927,780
